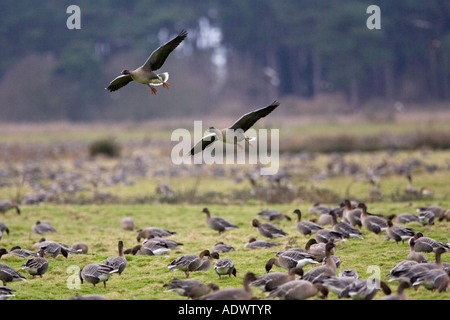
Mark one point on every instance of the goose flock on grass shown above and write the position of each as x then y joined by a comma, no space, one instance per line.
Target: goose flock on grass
292,273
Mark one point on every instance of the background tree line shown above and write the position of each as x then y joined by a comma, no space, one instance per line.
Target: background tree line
238,54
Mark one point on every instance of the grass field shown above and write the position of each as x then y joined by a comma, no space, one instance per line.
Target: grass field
43,157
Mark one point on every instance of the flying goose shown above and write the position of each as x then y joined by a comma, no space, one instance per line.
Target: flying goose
97,272
253,243
398,233
236,132
268,230
191,288
6,205
344,228
270,281
234,293
305,227
145,74
6,292
426,244
372,223
188,262
329,269
120,262
218,223
37,266
224,266
298,290
272,214
8,274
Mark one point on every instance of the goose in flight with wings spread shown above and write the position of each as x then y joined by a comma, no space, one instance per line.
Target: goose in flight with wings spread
145,74
236,132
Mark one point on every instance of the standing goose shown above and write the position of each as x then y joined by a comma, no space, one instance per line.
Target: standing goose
218,223
290,259
434,278
426,244
188,262
6,205
145,74
268,230
8,274
426,217
271,281
191,288
234,293
37,266
119,263
298,290
413,255
328,269
344,228
225,266
260,244
350,214
371,222
236,132
398,233
207,262
305,227
97,272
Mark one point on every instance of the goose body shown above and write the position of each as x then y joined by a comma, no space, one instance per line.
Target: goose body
426,244
222,247
426,217
268,230
8,274
97,272
271,215
191,288
404,218
291,259
398,232
271,281
305,227
218,223
329,269
253,243
153,232
413,255
224,266
127,223
41,227
6,292
23,253
350,214
326,235
297,290
146,73
234,293
36,266
80,247
337,284
344,228
363,289
119,263
6,205
188,262
401,295
371,222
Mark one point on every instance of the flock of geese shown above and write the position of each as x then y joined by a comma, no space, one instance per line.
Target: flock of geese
346,221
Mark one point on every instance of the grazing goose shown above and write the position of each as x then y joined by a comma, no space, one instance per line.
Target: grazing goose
401,295
53,249
344,228
218,223
298,290
426,244
438,211
406,218
432,279
36,266
224,266
234,293
145,74
305,227
221,247
188,262
271,215
363,289
97,272
371,222
153,231
329,269
208,262
350,214
23,253
119,263
260,244
6,293
191,288
41,227
271,281
291,259
337,284
268,230
150,248
320,209
413,255
127,223
236,132
426,217
445,216
327,235
80,247
8,274
398,233
169,243
6,205
316,249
